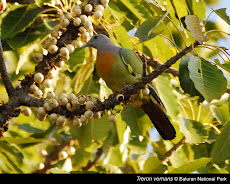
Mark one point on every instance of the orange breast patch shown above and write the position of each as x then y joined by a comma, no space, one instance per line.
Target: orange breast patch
104,63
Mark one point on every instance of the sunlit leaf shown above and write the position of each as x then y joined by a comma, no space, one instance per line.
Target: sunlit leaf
185,81
167,96
220,151
194,131
136,119
154,165
191,166
195,27
208,79
18,20
222,13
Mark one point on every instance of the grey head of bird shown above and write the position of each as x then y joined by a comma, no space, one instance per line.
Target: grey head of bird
98,41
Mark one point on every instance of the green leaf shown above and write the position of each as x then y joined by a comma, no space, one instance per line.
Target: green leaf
196,8
56,170
18,20
154,165
165,90
76,58
144,32
185,81
190,110
220,151
18,140
191,166
221,113
109,168
208,79
222,14
180,7
194,131
123,37
138,10
120,127
10,151
136,119
95,129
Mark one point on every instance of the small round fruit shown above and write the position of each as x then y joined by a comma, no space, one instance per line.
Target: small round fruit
71,150
38,77
88,7
85,36
60,64
41,111
138,76
71,97
112,118
120,97
62,99
61,121
47,83
83,18
97,115
27,111
104,2
69,107
40,166
88,114
77,10
81,99
41,117
145,91
99,8
50,95
89,105
83,120
38,93
47,106
38,57
64,22
98,15
52,41
52,49
87,24
46,44
68,15
62,155
77,21
64,51
55,33
77,122
53,117
53,103
77,43
70,47
82,29
33,87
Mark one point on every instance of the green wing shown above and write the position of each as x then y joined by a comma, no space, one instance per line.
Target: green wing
131,61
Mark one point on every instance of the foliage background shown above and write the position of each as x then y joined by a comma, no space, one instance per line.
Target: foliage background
131,144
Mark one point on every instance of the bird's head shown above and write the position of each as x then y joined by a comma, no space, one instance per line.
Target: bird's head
97,41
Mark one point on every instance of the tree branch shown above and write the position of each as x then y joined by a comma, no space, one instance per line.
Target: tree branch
173,150
4,74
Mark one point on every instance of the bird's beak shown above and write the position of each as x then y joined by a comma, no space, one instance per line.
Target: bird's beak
86,45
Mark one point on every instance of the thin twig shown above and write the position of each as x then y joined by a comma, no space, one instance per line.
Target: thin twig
173,150
92,163
4,74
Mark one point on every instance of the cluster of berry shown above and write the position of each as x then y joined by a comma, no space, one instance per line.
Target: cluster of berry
79,17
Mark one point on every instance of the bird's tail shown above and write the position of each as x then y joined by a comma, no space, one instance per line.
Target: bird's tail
158,117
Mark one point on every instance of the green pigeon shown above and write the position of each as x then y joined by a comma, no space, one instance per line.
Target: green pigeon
118,67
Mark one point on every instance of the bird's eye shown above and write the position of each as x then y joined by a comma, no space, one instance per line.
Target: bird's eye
95,37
